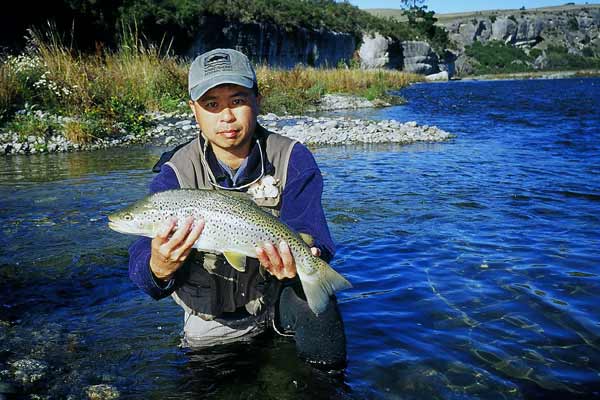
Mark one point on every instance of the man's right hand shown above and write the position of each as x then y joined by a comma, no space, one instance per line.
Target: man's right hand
171,246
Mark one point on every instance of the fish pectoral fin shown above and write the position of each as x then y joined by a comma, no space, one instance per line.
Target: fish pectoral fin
308,239
236,260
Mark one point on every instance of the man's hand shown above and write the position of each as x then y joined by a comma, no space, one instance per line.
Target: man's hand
170,251
279,261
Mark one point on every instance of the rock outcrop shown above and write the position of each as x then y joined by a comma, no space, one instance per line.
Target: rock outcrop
273,45
576,28
377,51
419,58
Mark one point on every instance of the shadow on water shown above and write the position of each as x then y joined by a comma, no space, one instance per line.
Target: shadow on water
265,368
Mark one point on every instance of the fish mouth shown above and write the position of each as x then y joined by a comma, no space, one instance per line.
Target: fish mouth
115,226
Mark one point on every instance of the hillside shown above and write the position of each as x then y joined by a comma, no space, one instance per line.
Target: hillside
443,18
520,40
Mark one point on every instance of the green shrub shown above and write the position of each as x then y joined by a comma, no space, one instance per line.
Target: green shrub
497,57
28,123
572,23
535,53
560,58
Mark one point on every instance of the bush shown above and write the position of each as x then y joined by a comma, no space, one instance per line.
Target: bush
497,57
29,122
560,58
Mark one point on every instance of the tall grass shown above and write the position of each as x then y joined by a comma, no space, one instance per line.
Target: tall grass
298,89
110,92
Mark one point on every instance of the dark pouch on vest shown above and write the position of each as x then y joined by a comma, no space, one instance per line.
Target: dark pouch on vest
198,287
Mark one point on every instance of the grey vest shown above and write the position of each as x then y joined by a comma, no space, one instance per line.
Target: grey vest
211,286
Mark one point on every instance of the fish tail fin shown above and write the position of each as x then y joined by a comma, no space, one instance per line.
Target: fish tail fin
321,285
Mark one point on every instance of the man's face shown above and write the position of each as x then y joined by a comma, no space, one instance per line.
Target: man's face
227,115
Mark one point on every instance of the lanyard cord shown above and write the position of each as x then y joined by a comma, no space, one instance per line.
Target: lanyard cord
213,180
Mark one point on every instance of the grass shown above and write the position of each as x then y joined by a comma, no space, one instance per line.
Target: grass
299,89
108,94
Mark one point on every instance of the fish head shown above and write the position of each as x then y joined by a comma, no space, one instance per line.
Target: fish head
142,218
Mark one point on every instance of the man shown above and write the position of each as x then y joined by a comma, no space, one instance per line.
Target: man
233,152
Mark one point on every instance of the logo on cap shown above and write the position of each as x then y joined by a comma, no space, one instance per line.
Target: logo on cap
217,62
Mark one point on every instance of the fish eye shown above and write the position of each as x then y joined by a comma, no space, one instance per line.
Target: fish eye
127,217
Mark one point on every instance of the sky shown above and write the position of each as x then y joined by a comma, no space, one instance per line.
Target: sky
445,6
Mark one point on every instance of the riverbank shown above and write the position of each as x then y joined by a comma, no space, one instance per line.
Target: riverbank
109,94
535,75
172,129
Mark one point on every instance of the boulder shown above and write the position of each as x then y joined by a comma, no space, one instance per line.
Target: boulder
373,51
463,65
504,29
378,51
419,58
440,76
470,31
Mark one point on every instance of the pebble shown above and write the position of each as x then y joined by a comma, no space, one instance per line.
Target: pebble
173,129
28,371
102,392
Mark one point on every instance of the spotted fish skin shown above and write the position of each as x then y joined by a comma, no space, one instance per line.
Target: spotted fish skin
233,224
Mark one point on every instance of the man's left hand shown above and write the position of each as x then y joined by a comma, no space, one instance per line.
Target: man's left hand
279,261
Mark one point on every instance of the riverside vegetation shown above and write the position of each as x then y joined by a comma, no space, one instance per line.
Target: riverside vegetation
52,90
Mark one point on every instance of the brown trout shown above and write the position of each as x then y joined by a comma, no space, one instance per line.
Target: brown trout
234,226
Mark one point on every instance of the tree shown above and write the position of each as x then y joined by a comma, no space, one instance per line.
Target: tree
423,22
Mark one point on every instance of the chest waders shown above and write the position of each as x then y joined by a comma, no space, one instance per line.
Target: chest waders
223,304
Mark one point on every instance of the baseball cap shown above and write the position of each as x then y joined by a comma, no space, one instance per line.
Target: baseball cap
217,67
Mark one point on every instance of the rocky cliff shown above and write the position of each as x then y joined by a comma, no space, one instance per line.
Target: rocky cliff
576,28
272,45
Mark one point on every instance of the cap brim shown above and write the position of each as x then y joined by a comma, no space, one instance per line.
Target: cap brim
198,91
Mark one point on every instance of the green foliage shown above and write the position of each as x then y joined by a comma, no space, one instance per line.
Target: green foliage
572,24
535,53
560,58
127,114
29,123
423,23
496,57
180,17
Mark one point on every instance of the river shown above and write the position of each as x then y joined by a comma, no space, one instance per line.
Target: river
475,263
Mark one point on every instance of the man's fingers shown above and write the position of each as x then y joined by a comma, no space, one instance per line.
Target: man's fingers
167,228
287,259
262,257
193,235
184,255
180,234
274,258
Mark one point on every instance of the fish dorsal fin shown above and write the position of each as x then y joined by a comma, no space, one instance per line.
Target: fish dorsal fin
236,260
308,239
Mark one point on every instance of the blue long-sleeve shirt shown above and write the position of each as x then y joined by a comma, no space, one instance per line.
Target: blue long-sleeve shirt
301,210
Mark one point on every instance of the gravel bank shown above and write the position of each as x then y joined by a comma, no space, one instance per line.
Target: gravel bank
171,129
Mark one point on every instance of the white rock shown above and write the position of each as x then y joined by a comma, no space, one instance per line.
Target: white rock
440,76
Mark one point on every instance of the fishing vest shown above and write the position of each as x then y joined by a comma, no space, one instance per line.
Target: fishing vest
210,286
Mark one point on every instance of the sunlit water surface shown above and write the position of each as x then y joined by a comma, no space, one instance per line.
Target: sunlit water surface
475,263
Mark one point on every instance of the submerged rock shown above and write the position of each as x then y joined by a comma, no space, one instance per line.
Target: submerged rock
28,371
102,392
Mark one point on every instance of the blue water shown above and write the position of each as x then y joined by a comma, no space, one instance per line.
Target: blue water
475,263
